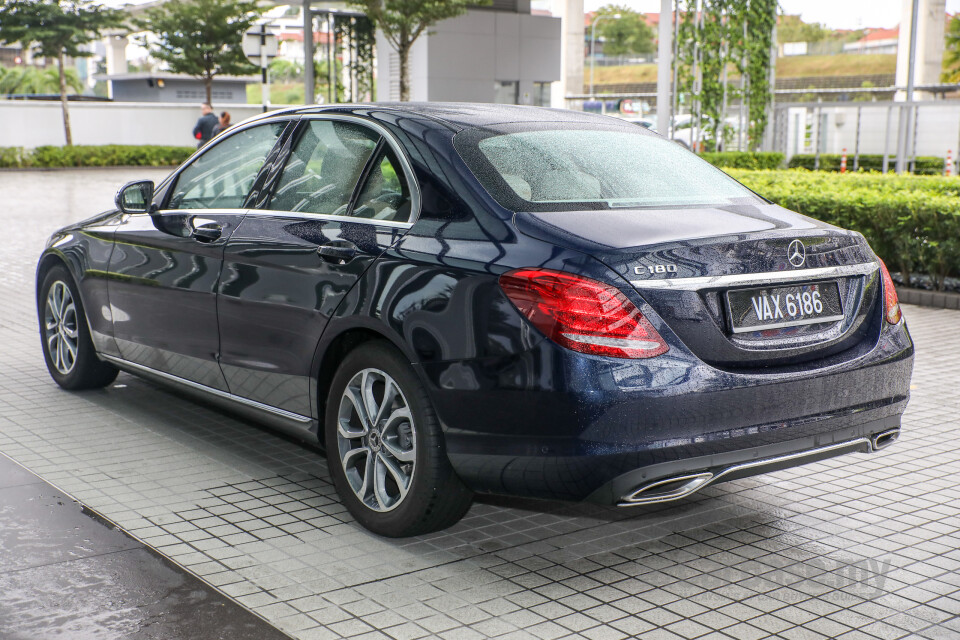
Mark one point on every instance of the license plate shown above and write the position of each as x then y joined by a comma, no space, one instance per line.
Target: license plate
787,306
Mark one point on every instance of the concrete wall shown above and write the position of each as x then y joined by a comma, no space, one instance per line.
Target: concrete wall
186,90
34,123
470,53
463,58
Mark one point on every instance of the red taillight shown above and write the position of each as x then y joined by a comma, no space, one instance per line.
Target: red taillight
582,314
891,305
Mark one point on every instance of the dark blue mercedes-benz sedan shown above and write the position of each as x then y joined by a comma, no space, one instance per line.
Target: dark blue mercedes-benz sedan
457,298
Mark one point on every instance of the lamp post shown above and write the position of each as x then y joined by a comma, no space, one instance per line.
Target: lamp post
593,39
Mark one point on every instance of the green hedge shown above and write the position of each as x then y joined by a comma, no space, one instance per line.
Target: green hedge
744,159
912,222
925,165
109,155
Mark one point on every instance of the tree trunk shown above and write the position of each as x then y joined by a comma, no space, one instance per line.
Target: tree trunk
208,86
404,52
63,101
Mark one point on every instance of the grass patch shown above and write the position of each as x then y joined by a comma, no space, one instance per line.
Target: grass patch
789,67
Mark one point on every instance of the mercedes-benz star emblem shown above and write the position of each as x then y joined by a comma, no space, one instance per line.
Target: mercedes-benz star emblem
796,253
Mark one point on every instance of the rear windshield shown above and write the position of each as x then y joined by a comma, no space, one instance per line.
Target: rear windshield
576,168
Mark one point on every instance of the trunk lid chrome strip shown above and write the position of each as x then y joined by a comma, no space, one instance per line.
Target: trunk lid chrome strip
752,279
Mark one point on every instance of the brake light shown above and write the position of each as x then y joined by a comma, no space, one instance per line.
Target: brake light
582,314
891,304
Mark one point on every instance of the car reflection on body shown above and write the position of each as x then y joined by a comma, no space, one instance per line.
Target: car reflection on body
463,298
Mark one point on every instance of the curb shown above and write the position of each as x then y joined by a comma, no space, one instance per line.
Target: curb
935,299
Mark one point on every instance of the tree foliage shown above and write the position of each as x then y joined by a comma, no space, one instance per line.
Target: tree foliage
201,38
36,80
951,54
56,29
791,28
626,35
403,21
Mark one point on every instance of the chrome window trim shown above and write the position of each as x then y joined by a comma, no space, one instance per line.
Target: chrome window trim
330,217
398,149
750,279
192,213
127,364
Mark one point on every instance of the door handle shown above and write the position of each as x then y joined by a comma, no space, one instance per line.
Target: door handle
337,252
205,230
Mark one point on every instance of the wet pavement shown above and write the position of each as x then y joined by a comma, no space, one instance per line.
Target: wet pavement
864,546
65,572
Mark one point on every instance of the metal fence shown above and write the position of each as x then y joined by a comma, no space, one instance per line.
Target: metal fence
833,121
930,128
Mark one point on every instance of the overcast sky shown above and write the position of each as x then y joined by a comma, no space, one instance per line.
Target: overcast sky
837,14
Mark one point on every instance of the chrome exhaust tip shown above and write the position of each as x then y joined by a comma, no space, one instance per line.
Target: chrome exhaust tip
667,489
884,439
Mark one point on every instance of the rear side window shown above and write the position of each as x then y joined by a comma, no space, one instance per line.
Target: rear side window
223,175
324,168
386,194
578,168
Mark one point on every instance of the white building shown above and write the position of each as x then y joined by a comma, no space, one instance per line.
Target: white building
501,53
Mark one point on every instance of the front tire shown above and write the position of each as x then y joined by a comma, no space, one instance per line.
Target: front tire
67,348
385,447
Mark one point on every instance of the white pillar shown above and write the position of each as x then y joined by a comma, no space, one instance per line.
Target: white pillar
571,51
930,44
309,83
664,71
116,47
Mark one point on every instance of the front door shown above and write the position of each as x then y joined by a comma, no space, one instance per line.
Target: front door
165,266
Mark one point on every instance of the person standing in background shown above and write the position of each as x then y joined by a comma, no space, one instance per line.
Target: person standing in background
223,124
203,130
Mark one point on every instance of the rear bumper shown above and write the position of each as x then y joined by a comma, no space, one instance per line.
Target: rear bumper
555,424
681,478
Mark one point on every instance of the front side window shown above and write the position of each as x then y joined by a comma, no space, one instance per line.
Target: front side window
385,195
324,168
580,168
223,175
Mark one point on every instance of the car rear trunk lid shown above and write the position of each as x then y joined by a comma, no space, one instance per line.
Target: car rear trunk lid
720,277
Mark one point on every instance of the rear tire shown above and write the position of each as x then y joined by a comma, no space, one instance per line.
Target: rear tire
65,336
391,469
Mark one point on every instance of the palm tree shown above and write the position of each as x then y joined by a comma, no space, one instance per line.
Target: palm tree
36,81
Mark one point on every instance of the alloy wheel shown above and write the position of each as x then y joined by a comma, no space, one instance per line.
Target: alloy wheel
376,438
60,326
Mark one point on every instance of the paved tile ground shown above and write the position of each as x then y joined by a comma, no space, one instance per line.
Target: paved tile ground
865,546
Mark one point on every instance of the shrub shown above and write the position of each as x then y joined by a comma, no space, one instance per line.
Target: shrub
111,155
924,165
12,156
744,159
912,222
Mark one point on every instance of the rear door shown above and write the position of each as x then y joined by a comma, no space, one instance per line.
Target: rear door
344,196
165,266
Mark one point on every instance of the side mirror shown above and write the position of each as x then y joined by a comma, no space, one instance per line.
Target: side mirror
135,197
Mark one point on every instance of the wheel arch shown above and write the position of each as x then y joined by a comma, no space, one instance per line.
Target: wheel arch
48,261
331,351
